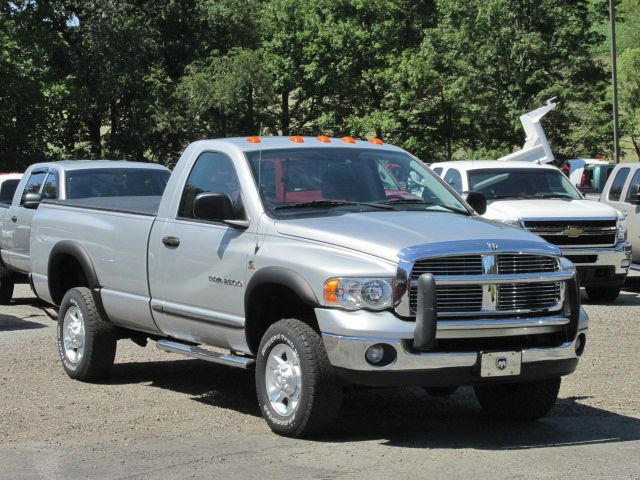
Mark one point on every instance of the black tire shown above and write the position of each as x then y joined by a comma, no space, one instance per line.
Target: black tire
7,282
518,402
603,294
320,395
99,337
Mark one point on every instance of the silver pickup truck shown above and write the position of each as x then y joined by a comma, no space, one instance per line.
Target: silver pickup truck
319,262
61,180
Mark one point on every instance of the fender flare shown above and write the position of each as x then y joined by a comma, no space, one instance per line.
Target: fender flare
78,252
281,276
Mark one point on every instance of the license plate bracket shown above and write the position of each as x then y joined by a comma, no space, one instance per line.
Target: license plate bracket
500,364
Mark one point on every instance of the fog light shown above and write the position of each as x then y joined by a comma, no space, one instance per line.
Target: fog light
375,354
380,355
581,342
625,263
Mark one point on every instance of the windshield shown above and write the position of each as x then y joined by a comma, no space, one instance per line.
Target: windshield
116,182
314,181
496,183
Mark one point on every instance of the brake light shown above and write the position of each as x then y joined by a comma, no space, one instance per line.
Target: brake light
348,140
254,140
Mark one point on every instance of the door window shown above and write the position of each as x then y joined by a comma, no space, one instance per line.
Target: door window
633,186
618,182
212,173
454,179
50,189
33,184
437,170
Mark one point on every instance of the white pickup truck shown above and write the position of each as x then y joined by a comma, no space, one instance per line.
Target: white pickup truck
72,179
523,190
319,262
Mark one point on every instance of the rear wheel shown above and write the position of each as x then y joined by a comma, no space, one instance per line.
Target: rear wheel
86,339
7,282
296,385
603,294
518,402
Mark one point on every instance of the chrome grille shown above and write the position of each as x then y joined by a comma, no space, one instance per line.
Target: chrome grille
453,298
523,263
452,265
570,233
528,296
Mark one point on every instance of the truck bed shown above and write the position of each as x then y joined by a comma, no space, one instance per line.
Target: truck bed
140,205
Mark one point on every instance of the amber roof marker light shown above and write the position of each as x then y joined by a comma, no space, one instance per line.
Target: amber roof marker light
323,139
348,140
297,139
254,139
376,141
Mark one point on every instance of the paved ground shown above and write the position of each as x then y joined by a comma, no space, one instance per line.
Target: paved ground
163,416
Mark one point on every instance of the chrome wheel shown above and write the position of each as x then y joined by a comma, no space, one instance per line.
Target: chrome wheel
283,379
73,334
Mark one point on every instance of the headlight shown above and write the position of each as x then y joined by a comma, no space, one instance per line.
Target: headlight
355,293
622,229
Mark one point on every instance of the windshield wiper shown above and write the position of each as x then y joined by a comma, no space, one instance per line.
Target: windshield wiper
555,195
418,201
330,204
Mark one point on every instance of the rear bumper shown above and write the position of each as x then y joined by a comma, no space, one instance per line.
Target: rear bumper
348,335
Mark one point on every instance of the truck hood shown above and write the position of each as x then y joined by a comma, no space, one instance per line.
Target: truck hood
385,234
548,208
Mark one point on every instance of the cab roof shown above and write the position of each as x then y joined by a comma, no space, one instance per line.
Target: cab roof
251,144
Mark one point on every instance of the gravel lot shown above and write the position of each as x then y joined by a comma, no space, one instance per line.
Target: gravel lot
165,416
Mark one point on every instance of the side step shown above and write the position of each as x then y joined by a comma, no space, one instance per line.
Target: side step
202,354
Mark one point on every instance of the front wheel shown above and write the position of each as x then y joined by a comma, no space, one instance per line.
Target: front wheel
518,402
603,294
296,385
86,339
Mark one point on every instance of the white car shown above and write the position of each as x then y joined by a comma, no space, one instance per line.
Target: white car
8,184
541,199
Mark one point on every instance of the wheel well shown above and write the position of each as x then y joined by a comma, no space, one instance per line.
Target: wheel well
270,303
65,273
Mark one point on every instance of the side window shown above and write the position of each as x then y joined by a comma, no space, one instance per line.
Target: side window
50,189
618,182
212,173
437,171
454,179
633,186
33,184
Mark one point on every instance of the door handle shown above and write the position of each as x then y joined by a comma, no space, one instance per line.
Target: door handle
14,219
171,241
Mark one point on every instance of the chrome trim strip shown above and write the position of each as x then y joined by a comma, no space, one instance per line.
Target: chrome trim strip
489,323
497,279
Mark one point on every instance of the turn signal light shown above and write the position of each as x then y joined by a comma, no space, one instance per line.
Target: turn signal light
254,140
376,141
297,139
331,291
323,139
348,140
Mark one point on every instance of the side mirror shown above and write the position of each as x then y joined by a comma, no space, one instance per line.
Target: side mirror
634,194
476,200
31,200
215,207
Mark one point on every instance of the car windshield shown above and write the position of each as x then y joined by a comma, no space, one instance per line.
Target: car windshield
316,181
116,182
497,183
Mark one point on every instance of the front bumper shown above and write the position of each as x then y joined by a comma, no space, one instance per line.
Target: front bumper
347,336
617,258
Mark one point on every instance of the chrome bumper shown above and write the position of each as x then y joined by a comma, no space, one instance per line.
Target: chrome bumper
347,335
618,256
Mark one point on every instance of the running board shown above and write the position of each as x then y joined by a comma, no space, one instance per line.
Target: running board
202,354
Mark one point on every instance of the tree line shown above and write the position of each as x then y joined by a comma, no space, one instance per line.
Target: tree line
140,79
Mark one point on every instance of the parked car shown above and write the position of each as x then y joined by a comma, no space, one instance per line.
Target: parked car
8,184
61,180
593,179
539,198
622,191
316,277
